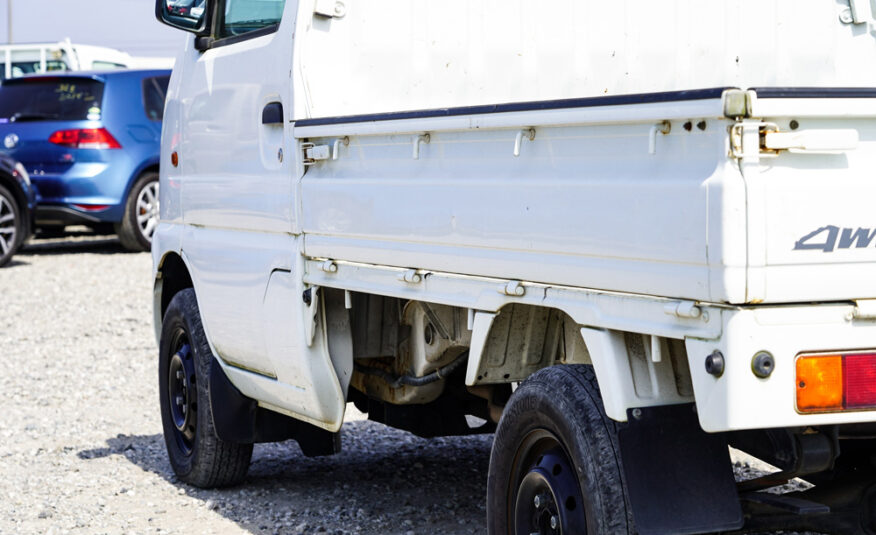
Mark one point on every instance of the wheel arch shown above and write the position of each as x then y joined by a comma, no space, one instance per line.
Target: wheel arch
148,166
519,340
171,277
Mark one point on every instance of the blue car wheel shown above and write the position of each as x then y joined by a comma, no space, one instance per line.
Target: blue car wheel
11,226
141,214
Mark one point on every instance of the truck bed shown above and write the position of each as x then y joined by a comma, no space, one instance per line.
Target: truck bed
587,204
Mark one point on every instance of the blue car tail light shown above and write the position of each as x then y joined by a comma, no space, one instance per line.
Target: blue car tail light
85,138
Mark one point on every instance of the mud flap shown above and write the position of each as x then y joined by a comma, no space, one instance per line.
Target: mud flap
237,418
679,478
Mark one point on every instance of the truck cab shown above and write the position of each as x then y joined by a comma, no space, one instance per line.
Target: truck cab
623,239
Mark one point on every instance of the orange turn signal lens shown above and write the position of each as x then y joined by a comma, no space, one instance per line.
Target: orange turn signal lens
820,383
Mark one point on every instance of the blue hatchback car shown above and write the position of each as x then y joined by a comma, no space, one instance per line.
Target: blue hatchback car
90,142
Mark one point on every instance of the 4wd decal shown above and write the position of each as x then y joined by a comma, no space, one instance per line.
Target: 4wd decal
831,238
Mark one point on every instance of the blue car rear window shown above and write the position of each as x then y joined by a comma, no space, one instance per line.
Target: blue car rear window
51,99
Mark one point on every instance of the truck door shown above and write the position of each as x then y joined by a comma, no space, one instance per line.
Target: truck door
238,194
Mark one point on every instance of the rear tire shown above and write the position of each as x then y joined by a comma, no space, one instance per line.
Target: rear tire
198,456
555,464
11,226
141,214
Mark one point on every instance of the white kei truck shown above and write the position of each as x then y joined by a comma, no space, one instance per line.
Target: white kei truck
621,235
18,60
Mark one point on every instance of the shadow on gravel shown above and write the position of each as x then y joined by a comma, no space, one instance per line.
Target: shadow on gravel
385,481
69,246
15,263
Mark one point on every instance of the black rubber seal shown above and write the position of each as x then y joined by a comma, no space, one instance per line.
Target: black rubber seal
588,102
815,92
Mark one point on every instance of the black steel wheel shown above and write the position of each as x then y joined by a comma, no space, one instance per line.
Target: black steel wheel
182,392
198,456
555,466
549,500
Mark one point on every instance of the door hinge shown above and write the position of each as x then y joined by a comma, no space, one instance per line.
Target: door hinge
858,12
745,139
865,309
755,139
685,309
330,8
314,153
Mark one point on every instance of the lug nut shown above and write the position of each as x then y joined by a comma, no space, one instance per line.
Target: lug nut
540,500
715,364
554,522
763,364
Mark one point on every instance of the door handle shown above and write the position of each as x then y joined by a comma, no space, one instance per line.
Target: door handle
273,113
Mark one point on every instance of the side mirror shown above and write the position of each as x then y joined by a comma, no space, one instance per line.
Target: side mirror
189,15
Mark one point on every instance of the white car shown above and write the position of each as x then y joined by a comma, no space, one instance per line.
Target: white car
21,59
197,10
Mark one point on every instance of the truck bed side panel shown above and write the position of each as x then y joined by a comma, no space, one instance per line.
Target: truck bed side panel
582,206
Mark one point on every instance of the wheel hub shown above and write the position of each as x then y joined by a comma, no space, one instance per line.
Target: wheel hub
147,209
183,396
549,500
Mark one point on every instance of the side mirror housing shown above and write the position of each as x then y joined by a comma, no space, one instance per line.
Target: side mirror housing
188,15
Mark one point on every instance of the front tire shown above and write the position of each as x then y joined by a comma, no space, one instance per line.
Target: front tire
141,214
555,464
198,456
11,226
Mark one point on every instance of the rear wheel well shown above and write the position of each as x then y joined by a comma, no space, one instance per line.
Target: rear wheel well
148,169
175,277
9,183
152,168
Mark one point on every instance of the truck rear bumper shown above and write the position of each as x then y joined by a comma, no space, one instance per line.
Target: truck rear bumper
739,399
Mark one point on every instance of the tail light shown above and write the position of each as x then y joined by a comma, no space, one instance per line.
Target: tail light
85,138
838,382
91,207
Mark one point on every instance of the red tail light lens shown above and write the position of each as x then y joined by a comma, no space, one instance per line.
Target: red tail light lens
66,138
859,380
85,138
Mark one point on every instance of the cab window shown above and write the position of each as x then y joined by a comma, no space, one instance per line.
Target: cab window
245,16
26,62
106,65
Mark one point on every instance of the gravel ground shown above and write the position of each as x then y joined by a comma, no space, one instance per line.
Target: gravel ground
81,449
